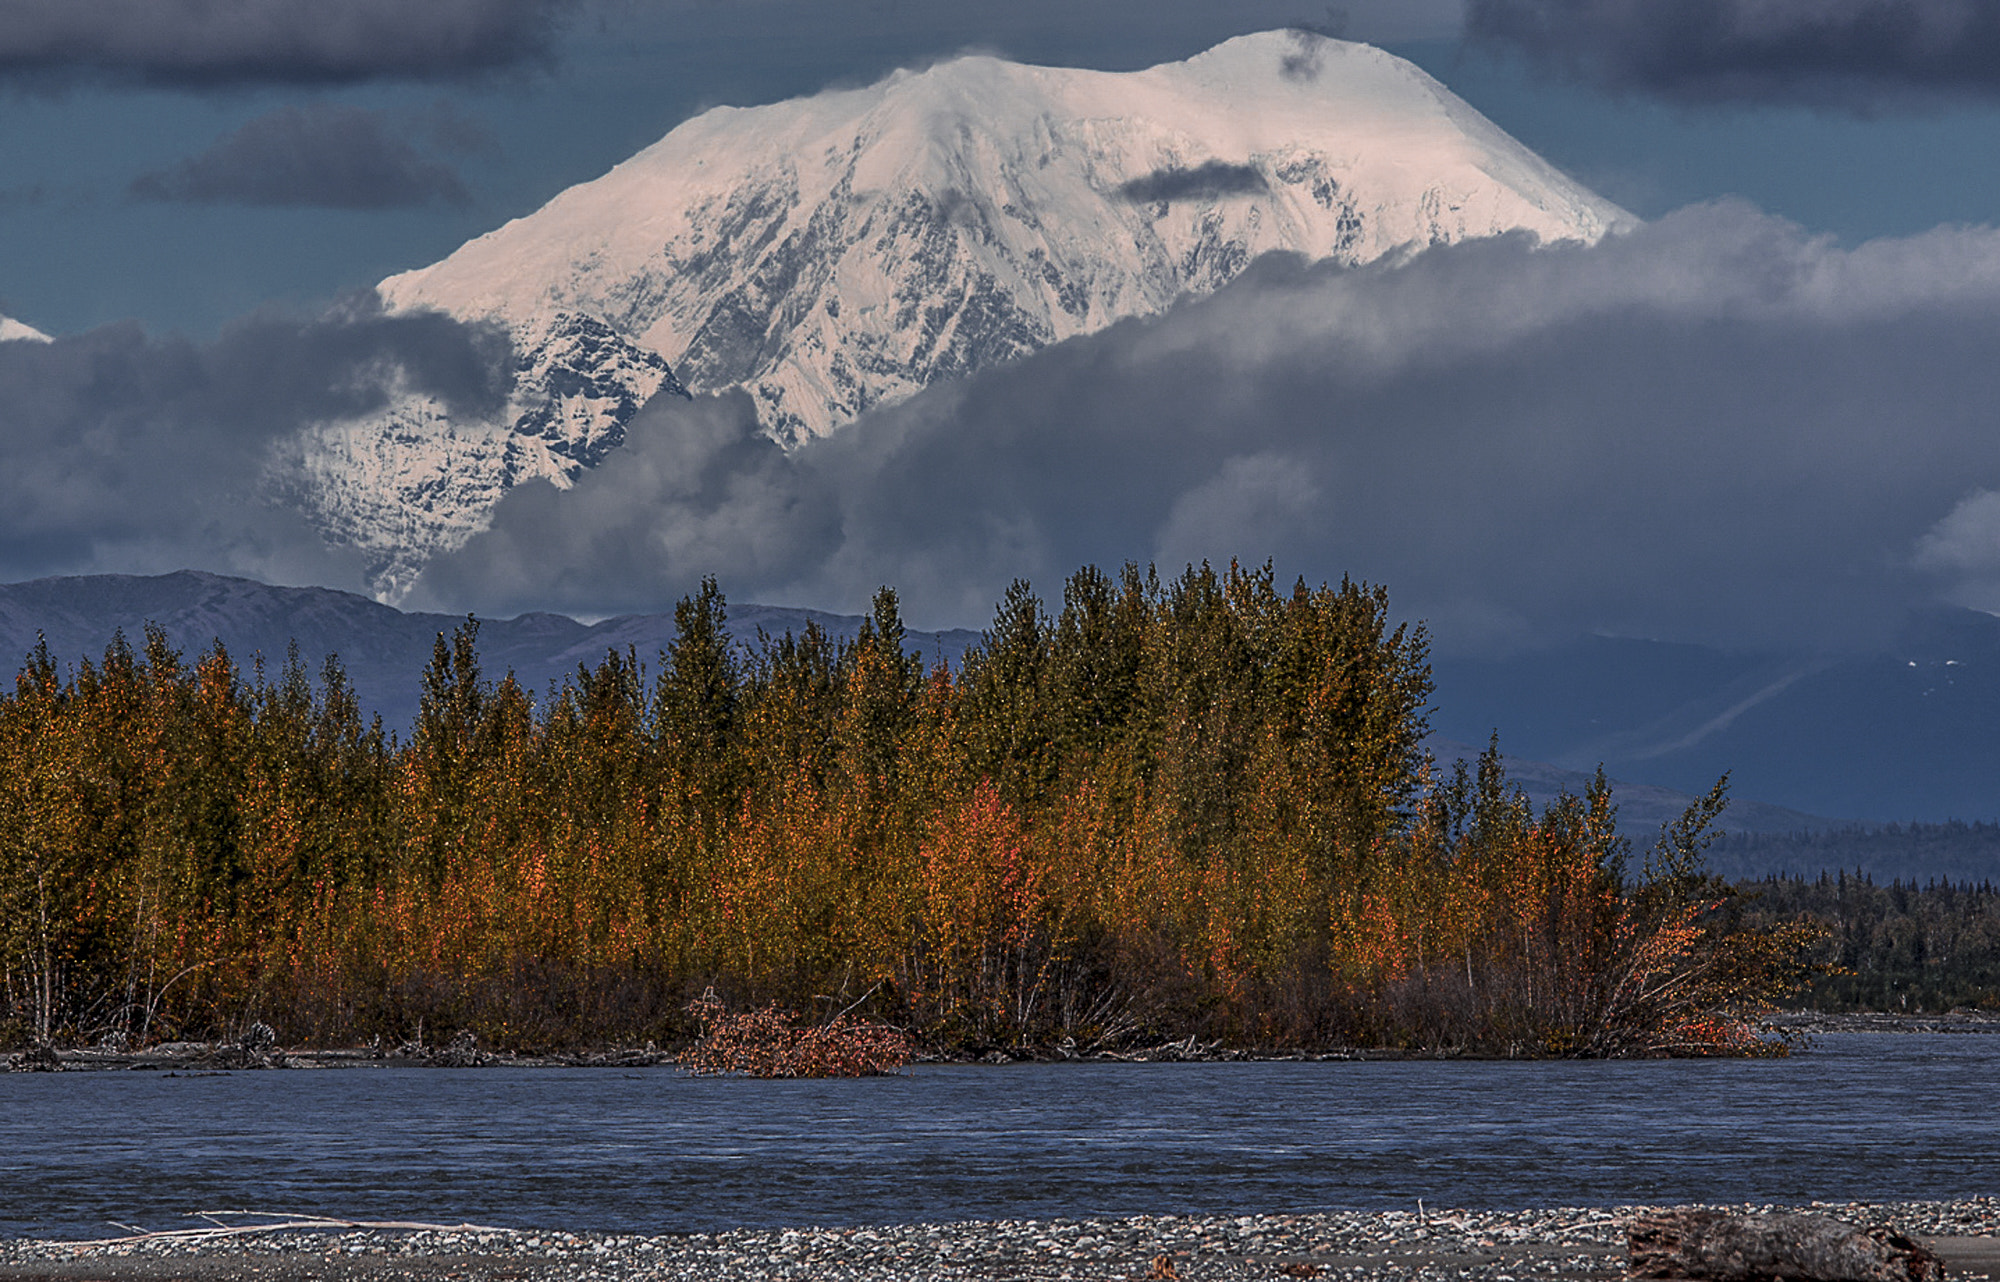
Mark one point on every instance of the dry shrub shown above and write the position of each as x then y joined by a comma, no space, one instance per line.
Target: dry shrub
770,1043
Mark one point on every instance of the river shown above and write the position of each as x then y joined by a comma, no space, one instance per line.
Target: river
1860,1116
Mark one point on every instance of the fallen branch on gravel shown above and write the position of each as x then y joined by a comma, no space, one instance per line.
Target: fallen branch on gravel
278,1222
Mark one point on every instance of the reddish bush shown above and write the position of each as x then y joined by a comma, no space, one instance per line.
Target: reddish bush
770,1043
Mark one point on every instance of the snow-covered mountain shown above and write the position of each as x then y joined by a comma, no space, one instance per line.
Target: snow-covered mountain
12,330
838,252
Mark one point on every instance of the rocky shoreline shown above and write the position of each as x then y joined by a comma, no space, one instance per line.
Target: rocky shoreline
1418,1245
464,1051
1963,1020
188,1057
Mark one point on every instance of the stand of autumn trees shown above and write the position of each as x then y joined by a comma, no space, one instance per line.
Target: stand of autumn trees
1194,807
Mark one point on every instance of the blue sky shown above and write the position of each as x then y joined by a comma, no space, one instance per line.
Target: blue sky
104,220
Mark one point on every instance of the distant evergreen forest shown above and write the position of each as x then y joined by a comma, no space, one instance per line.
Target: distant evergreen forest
1162,809
1892,946
1915,852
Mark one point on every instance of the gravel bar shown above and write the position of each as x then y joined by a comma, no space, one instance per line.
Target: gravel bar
1432,1245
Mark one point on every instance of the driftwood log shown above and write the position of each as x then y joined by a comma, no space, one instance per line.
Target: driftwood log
219,1226
1784,1247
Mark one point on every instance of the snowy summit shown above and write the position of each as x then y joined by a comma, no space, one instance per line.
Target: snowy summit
835,253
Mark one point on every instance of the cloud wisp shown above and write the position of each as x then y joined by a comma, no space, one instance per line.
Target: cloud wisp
1963,551
1206,181
124,452
328,155
1863,56
209,44
1714,428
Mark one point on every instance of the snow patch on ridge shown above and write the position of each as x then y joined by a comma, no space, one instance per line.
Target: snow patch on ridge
13,331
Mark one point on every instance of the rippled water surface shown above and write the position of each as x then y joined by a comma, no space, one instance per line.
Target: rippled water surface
1861,1116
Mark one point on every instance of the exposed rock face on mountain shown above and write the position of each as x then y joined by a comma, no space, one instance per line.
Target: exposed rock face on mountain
839,252
416,480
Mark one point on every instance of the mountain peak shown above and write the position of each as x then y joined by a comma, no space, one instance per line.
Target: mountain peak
838,252
1020,172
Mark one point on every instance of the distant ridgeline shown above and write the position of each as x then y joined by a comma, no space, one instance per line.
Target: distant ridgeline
1198,807
382,649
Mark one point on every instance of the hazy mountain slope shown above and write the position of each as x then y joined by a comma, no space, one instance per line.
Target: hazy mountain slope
1911,733
1642,807
837,252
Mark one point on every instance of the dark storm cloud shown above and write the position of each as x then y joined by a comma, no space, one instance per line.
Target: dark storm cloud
325,154
1713,428
121,451
215,43
1861,55
1205,181
723,499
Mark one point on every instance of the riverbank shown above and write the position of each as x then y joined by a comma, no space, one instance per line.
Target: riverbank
465,1052
1963,1020
1417,1245
194,1057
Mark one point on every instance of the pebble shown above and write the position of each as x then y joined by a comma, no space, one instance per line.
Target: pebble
1435,1245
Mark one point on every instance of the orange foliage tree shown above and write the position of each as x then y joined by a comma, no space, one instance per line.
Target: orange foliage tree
1197,806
